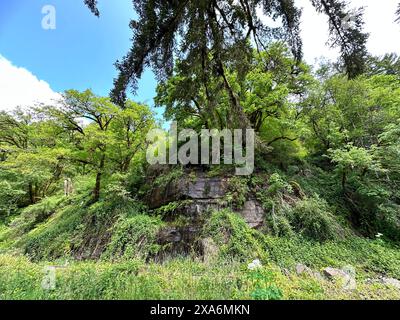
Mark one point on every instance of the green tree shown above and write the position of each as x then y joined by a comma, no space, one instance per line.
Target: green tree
102,136
211,36
34,155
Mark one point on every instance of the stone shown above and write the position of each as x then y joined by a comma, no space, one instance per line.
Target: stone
303,269
345,276
253,214
206,188
210,249
390,282
169,235
197,208
205,194
202,188
177,241
332,273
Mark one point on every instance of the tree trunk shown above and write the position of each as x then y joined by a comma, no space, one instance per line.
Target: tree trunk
344,180
31,193
96,191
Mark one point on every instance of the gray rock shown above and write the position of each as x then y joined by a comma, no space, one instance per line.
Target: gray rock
345,276
202,188
205,188
210,249
253,214
390,282
206,194
303,269
169,235
197,208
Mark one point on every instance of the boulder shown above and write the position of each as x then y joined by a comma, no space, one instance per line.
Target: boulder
303,269
210,249
345,276
253,214
390,282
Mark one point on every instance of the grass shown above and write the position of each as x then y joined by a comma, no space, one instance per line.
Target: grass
180,278
370,257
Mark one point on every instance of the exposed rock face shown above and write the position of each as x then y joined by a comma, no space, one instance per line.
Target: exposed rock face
205,194
177,240
206,188
202,188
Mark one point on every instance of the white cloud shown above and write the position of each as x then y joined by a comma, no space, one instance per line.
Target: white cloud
20,88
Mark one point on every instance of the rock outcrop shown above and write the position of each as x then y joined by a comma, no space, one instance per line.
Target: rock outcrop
206,194
200,195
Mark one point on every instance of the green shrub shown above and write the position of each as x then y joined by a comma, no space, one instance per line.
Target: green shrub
78,228
37,213
10,197
388,223
278,185
172,175
54,238
134,237
234,237
312,218
237,191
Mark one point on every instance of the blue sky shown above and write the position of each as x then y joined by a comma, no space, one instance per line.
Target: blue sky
79,53
36,64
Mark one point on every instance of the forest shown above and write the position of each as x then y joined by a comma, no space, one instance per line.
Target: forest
84,215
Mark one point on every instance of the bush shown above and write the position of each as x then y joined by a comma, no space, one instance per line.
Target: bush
234,237
134,237
312,218
368,256
278,185
37,213
10,197
77,228
237,192
389,221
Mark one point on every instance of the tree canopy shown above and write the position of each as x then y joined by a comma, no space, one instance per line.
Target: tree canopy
208,37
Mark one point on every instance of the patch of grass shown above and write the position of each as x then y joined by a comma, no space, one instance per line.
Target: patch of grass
179,278
369,257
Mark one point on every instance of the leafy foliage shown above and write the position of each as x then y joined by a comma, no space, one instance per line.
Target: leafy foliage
231,233
134,237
